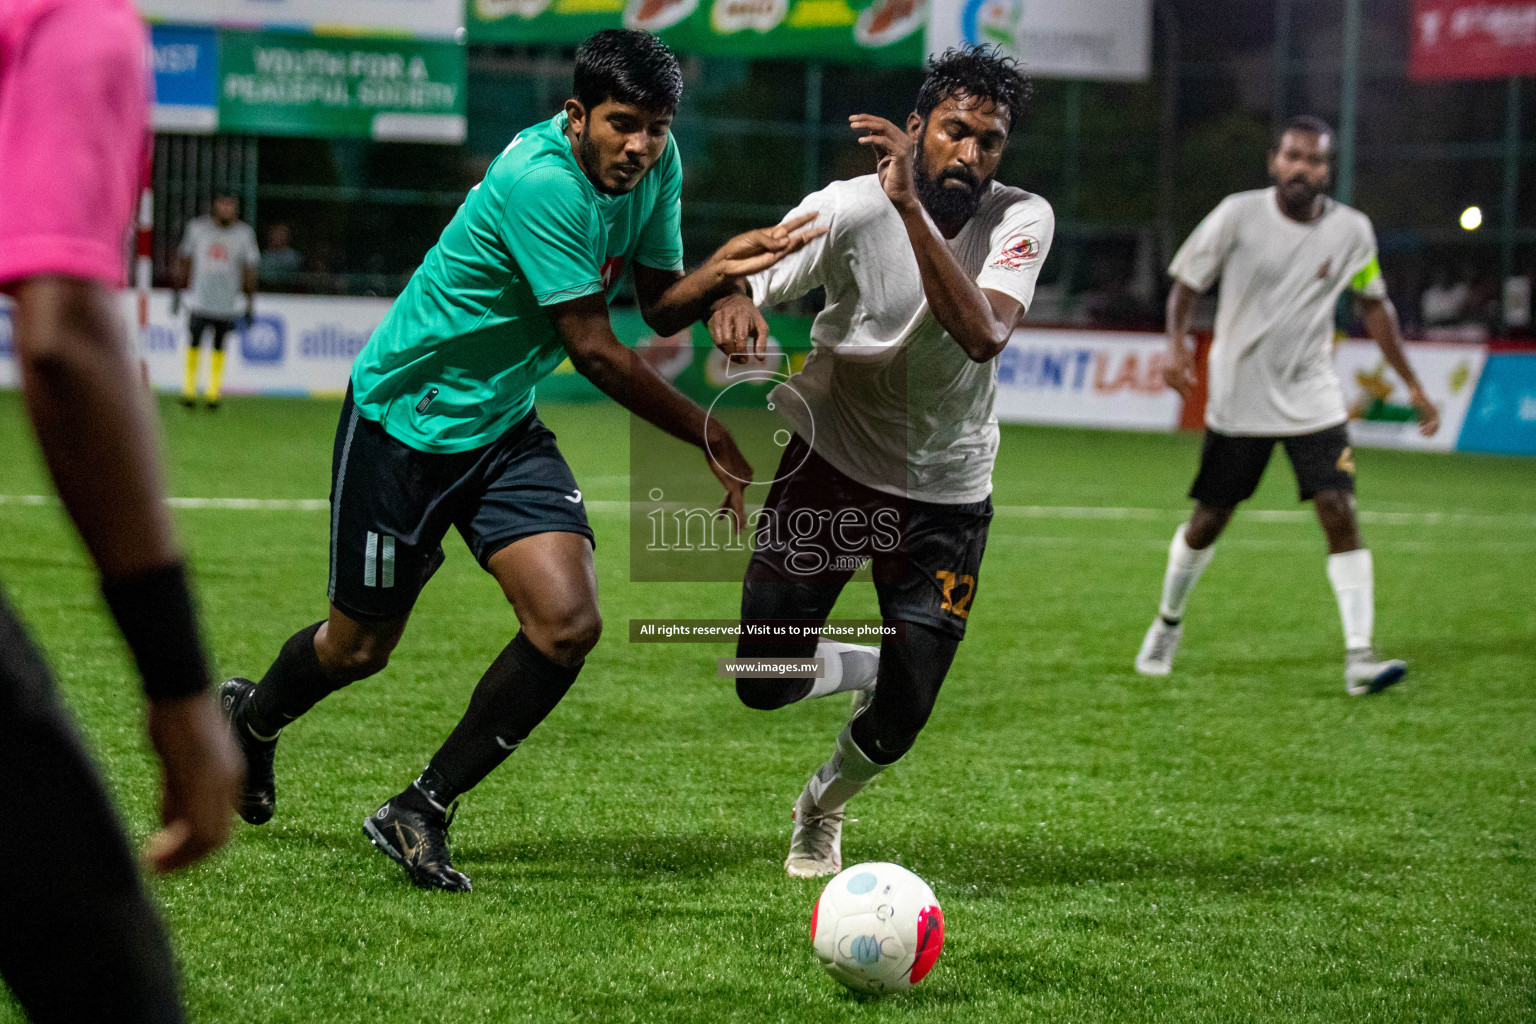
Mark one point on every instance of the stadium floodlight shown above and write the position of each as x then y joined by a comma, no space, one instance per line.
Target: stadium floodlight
1472,218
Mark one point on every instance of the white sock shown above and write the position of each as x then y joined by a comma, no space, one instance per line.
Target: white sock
1185,565
1353,580
843,774
848,667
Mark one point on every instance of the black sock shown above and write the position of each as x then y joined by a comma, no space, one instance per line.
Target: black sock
427,793
295,683
521,687
911,673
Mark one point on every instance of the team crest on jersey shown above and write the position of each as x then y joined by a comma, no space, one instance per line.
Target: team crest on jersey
1017,251
1324,268
613,269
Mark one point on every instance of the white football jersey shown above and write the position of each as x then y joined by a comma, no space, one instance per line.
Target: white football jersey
889,398
1271,362
219,257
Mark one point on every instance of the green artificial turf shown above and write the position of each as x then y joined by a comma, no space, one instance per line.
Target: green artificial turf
1239,842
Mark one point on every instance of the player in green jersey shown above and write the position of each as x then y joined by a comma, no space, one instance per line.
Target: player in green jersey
439,427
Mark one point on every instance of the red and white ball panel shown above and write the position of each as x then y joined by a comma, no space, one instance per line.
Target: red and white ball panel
877,927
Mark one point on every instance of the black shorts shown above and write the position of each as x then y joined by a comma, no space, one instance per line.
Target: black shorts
391,506
1231,466
197,324
819,526
80,940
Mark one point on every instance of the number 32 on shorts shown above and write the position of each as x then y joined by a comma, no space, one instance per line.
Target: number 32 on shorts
960,604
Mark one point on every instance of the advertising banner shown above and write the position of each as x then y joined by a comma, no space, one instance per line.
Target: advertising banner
1109,39
305,344
1380,416
1086,379
278,83
1100,39
186,63
888,32
1461,39
1503,414
424,19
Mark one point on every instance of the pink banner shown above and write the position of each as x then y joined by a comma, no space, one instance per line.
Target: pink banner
1459,39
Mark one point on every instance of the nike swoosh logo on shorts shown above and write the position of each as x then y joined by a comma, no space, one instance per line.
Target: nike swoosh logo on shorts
573,498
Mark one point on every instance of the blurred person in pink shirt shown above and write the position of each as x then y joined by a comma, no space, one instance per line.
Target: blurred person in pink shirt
79,938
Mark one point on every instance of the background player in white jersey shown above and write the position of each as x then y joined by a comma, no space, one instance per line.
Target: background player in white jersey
928,267
217,262
1284,255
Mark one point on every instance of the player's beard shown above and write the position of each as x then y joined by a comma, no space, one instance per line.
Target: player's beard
592,160
1301,192
944,203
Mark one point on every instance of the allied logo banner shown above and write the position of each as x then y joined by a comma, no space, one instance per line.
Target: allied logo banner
1462,39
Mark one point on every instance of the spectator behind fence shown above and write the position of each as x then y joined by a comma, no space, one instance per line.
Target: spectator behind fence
1444,302
218,259
280,261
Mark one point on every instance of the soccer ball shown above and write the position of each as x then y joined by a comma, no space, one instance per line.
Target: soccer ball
877,928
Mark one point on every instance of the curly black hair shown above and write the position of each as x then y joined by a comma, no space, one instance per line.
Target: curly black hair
629,66
983,72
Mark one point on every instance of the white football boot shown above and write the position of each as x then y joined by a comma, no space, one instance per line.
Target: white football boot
1158,648
1364,675
816,845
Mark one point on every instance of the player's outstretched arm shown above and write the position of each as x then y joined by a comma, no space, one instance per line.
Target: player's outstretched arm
1381,324
670,301
980,321
1180,312
629,380
79,381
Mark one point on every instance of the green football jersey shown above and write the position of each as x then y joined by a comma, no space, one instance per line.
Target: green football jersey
456,358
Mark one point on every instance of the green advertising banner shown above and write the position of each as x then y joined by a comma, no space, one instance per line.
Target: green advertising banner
279,83
885,32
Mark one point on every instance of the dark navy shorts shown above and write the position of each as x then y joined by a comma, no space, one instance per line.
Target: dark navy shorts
391,506
925,558
1231,466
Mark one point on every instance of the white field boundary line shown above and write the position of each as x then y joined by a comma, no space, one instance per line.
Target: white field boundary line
1063,512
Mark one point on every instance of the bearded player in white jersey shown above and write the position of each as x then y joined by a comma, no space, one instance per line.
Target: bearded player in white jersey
928,267
1284,256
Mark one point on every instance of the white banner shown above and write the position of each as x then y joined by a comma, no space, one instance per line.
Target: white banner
297,345
305,344
1105,39
1380,416
1086,379
427,19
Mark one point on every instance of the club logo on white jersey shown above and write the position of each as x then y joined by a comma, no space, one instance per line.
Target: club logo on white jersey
1017,251
1324,269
